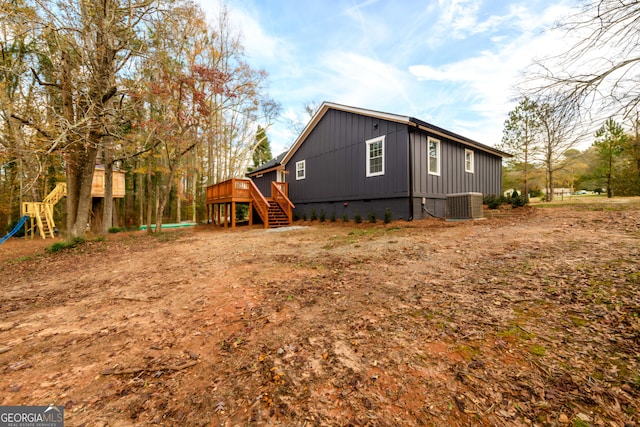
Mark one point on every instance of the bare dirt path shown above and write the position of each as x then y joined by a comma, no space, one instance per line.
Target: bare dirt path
531,319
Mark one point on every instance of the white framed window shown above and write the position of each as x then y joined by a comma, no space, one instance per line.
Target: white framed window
468,160
375,156
434,156
300,170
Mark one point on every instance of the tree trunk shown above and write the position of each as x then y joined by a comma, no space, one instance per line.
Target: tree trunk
526,176
179,205
195,193
107,206
140,198
80,168
149,196
164,194
609,172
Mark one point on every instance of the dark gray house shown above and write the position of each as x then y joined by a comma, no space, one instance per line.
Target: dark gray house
350,160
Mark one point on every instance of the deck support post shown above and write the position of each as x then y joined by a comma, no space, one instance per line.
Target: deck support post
232,214
224,215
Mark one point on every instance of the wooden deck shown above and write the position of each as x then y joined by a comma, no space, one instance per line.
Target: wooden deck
275,211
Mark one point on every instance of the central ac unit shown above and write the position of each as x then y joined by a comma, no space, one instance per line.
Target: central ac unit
464,206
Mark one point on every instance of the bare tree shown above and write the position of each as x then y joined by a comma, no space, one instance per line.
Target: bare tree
298,123
601,71
88,43
559,133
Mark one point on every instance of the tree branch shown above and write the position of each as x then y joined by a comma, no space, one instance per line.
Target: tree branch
31,124
41,83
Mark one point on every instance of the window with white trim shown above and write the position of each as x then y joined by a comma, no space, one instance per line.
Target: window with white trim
375,156
468,160
300,170
434,156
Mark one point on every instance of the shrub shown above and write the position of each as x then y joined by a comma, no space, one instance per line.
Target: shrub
517,200
372,217
117,229
296,216
387,216
323,216
535,192
357,218
313,214
492,201
242,212
345,218
304,216
332,218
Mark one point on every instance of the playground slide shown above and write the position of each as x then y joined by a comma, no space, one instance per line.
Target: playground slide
15,229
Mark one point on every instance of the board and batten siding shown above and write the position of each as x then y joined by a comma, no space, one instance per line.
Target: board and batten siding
264,182
486,178
335,160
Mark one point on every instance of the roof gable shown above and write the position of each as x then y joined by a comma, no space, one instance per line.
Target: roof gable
409,121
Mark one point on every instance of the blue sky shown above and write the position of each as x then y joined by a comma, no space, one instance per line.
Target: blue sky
452,63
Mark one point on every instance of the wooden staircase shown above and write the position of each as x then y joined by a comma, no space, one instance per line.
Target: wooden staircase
277,216
277,211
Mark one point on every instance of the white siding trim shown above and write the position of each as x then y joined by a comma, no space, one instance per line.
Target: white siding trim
369,143
436,169
301,167
469,166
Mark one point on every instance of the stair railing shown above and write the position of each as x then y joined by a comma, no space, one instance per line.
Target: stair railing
260,203
57,193
282,200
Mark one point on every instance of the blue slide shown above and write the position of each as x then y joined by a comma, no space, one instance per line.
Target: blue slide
15,229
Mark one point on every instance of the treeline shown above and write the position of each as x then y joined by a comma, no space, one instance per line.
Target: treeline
563,98
148,87
610,165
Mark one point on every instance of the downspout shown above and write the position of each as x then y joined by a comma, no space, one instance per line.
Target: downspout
410,175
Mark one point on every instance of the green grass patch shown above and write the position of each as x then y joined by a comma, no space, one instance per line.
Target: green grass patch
516,333
118,229
537,350
467,352
578,321
64,245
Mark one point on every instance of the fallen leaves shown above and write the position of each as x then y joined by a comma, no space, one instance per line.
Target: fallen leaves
530,320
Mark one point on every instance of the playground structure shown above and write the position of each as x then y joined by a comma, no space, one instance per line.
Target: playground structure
40,214
37,217
275,211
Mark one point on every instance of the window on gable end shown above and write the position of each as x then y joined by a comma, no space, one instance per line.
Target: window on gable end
375,156
468,160
300,170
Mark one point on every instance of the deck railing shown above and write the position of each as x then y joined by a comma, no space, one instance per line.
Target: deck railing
279,191
229,189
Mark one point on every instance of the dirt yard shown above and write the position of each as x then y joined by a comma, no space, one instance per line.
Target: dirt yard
528,319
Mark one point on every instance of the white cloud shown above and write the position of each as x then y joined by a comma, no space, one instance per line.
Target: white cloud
358,80
486,81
